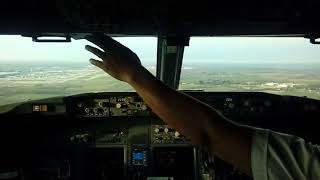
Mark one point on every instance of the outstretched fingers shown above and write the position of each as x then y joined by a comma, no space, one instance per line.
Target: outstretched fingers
97,63
96,51
106,43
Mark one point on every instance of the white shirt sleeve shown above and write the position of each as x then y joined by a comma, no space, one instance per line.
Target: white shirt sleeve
277,156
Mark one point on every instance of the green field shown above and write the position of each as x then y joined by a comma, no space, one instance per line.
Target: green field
280,81
44,82
272,80
97,81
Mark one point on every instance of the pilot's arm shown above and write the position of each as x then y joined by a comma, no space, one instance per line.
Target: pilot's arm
251,150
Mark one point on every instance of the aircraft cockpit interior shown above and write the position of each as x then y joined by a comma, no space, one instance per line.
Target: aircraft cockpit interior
256,62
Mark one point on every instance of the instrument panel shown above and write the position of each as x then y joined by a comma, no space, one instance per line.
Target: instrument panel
113,106
163,134
117,136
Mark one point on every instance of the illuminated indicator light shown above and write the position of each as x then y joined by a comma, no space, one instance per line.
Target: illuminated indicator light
36,108
43,108
138,156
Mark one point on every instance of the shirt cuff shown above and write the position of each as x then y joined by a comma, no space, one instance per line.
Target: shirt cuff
259,153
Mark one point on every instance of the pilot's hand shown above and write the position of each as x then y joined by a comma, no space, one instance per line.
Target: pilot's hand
116,59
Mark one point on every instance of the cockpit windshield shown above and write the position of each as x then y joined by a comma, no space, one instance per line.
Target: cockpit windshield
278,65
31,70
285,66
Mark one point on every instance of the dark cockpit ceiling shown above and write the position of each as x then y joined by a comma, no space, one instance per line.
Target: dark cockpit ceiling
194,18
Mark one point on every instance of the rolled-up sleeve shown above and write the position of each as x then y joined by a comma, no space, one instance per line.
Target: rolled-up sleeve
277,156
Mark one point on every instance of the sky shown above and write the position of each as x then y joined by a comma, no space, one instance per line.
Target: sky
22,49
250,50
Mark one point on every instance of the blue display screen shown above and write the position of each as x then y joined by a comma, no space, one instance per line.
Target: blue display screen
138,156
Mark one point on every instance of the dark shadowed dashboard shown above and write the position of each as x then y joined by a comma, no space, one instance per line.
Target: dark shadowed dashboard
117,136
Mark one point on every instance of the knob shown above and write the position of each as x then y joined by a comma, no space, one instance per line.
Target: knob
144,107
156,130
166,130
72,138
176,134
118,105
87,110
100,104
231,105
